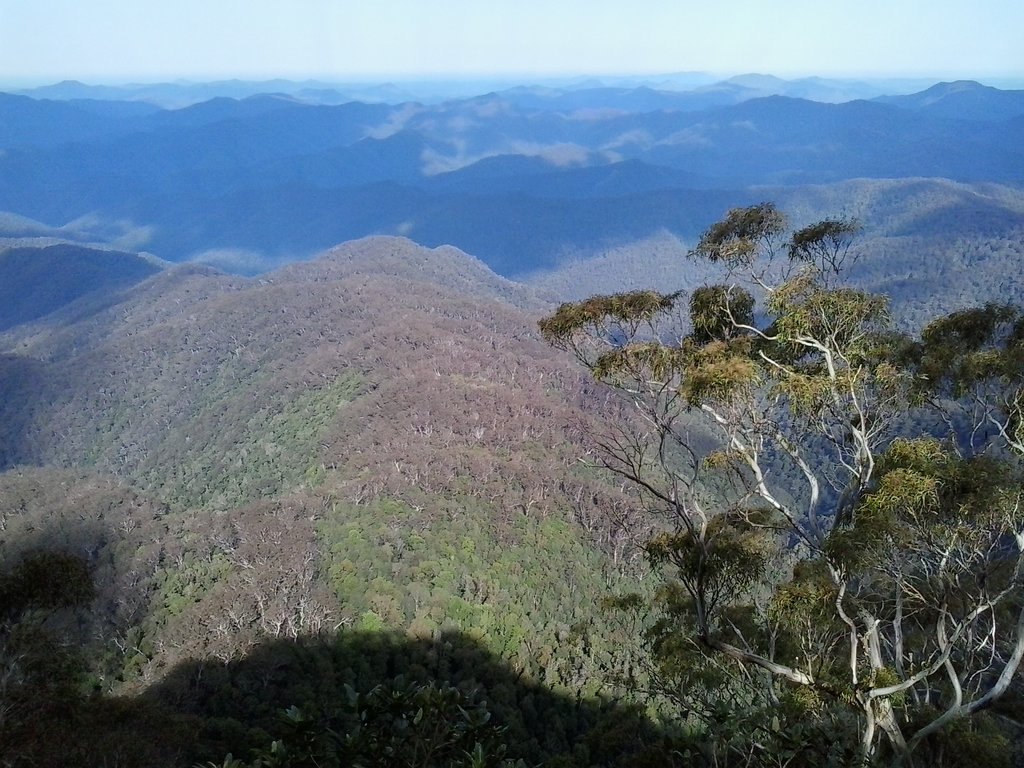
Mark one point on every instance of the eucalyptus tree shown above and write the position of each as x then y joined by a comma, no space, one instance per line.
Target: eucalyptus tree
831,556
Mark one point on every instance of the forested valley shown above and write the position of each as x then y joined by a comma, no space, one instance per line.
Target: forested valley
719,482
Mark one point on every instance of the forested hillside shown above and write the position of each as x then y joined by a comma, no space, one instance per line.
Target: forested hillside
376,441
272,517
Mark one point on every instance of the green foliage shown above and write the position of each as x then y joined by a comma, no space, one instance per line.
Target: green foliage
809,597
725,558
630,309
660,362
719,371
411,725
383,699
182,586
263,451
925,491
736,239
806,310
717,310
422,725
965,348
824,244
899,585
514,584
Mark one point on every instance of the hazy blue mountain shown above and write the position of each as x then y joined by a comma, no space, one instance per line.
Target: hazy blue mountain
826,90
399,158
115,109
537,177
179,153
779,140
184,93
223,108
67,90
37,281
387,93
26,122
269,121
672,81
963,99
641,99
754,85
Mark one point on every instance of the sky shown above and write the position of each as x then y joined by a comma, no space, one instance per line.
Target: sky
119,41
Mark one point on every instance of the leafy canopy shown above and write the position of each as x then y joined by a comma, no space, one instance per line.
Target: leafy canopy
845,567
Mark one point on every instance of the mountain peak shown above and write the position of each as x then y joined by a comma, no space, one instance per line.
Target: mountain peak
756,80
391,257
958,86
963,100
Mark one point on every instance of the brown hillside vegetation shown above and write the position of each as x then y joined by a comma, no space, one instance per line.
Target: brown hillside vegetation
374,439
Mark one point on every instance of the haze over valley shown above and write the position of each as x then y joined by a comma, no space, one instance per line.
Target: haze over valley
523,178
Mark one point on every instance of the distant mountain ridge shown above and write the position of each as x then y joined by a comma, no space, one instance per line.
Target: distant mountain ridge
35,281
182,93
519,177
963,100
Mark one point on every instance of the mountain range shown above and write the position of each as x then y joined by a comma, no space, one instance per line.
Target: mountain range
182,93
520,177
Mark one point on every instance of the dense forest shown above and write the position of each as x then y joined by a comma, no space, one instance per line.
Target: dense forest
279,471
356,511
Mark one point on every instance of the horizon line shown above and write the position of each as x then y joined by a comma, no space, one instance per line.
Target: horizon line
423,78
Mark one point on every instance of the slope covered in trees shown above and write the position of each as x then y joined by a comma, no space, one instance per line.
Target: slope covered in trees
366,470
375,442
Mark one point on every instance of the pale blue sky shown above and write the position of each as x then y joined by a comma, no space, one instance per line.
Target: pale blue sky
137,40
